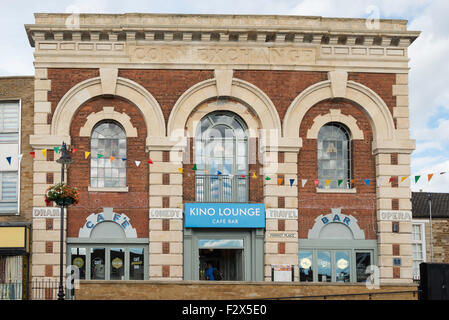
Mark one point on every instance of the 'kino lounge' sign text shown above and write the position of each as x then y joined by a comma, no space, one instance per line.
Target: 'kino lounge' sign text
224,215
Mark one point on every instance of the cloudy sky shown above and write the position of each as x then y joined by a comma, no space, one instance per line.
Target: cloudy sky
429,88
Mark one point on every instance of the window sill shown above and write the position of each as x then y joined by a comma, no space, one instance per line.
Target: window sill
95,189
319,190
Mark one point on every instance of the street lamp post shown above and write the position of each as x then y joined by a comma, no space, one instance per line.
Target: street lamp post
63,160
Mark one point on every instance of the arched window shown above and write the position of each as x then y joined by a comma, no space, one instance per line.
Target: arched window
108,140
334,156
221,157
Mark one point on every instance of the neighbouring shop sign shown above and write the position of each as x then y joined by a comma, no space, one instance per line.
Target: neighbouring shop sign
224,215
282,214
282,272
165,213
46,212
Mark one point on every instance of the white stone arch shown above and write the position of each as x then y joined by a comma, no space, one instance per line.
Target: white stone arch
335,115
243,91
372,105
108,113
91,88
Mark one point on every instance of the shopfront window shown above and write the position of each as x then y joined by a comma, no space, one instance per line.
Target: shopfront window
324,266
110,262
221,157
342,266
418,247
363,261
305,266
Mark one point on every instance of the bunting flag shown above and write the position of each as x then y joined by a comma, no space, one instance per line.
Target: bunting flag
74,150
267,178
291,182
391,179
403,178
137,163
124,159
443,172
194,167
56,149
327,183
340,182
19,157
180,170
86,154
44,152
303,182
280,180
317,182
151,161
242,176
429,177
111,158
218,172
367,181
231,176
254,175
417,178
99,155
9,160
33,154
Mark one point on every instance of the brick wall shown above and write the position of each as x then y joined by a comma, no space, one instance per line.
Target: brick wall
22,88
133,203
440,234
361,205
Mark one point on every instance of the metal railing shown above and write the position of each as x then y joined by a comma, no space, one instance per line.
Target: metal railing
369,295
44,289
221,188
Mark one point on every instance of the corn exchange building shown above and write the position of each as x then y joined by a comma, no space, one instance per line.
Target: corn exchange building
266,146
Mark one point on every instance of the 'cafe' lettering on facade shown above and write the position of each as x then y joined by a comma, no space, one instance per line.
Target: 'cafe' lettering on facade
107,215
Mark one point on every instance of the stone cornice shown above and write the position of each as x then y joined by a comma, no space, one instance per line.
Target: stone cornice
218,28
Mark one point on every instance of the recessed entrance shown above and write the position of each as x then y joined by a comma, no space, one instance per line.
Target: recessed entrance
229,262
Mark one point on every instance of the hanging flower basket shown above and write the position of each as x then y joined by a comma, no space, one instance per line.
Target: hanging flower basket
61,194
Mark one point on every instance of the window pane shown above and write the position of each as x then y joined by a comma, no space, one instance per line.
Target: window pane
136,261
79,260
363,260
9,116
305,266
343,267
97,268
117,256
324,266
9,185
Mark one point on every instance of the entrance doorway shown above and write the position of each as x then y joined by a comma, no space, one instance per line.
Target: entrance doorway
229,262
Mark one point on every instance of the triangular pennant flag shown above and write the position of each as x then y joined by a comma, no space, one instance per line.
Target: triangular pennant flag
443,172
242,176
111,158
429,176
280,180
74,150
291,182
19,157
86,154
56,149
150,161
403,178
99,155
180,170
9,159
231,176
124,159
194,167
218,172
33,154
44,152
339,182
352,181
391,179
327,183
367,181
254,175
303,182
137,163
417,178
317,181
267,178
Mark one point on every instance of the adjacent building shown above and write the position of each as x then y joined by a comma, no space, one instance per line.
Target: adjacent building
16,185
252,143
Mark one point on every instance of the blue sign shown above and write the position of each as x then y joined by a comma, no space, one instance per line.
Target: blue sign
224,215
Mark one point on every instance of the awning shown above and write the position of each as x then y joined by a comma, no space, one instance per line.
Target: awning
14,240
